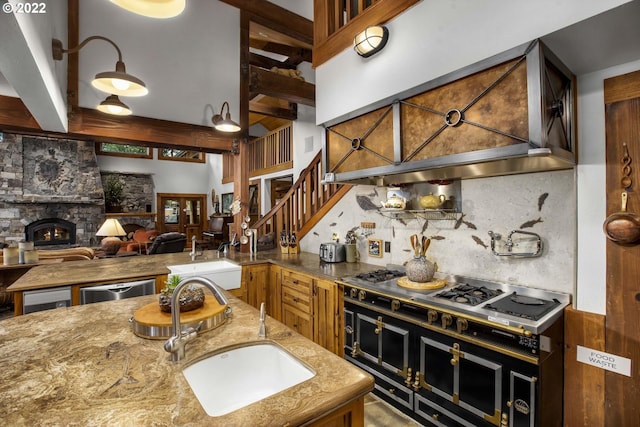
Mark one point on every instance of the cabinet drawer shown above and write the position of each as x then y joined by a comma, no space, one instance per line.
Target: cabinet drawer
296,280
297,297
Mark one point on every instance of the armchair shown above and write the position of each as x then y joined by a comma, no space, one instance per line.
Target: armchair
168,243
140,242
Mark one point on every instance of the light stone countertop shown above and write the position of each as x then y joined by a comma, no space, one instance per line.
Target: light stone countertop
83,366
113,270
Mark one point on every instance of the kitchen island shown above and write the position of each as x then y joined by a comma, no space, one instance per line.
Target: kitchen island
83,366
112,270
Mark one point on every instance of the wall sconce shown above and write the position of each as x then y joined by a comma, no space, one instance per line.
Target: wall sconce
113,105
116,82
226,124
371,40
153,8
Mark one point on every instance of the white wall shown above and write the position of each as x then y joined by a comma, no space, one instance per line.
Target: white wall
591,170
436,37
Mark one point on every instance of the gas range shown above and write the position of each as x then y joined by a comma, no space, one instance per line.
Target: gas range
507,305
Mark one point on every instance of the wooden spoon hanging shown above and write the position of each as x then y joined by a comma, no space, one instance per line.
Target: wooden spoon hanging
623,227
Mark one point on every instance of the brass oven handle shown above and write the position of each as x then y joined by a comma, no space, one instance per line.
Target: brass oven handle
408,381
455,351
379,325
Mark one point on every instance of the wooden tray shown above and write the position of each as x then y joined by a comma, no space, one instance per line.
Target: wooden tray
150,322
404,282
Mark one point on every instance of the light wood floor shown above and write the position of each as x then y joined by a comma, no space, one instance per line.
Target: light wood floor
378,413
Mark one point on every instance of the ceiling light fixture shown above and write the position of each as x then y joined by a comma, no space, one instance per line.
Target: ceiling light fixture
226,124
116,82
371,40
160,9
113,105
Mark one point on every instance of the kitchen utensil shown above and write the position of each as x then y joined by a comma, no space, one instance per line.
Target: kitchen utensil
425,245
244,240
626,169
415,245
431,201
622,227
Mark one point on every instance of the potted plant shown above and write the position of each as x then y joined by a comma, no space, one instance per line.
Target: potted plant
190,298
113,193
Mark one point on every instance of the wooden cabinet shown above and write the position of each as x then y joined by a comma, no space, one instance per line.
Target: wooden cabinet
327,311
274,304
256,283
311,306
296,302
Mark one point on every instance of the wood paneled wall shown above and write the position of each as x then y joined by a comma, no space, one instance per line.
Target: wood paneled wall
592,396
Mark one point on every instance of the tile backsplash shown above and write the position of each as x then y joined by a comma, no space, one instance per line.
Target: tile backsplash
543,203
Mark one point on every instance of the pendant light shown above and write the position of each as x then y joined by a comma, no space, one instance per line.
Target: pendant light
160,9
113,105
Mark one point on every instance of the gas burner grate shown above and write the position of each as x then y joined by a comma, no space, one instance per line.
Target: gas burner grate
380,275
468,294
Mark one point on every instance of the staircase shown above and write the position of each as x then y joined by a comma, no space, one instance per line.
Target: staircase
304,205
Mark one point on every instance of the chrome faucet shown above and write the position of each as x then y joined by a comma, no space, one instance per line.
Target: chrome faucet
179,338
193,254
262,330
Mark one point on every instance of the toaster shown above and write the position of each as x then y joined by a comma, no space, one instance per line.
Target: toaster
333,252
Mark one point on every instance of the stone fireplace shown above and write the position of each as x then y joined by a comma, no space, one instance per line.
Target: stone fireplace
49,180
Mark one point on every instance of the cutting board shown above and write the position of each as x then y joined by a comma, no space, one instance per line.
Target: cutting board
434,284
151,315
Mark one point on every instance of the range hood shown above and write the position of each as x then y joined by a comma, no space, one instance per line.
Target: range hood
509,114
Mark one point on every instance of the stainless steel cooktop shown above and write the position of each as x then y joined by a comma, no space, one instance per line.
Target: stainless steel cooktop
501,303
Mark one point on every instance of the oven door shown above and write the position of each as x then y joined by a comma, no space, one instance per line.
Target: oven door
377,340
472,382
382,342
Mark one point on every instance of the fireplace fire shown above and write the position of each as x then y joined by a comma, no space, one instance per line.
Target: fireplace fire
51,231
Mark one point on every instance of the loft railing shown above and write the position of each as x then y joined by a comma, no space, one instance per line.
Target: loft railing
271,152
267,154
304,204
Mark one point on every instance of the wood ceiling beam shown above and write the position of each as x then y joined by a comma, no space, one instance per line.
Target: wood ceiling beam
89,124
294,54
278,86
273,111
276,18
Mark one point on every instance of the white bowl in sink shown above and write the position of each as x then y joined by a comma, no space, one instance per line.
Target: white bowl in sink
236,377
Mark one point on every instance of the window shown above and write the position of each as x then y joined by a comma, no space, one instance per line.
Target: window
181,155
123,150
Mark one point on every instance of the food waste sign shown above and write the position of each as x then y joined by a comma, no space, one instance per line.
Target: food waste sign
600,359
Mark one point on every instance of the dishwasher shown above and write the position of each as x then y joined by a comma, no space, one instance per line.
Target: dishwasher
117,291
